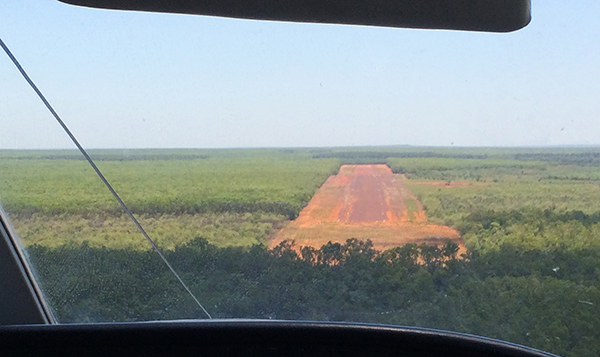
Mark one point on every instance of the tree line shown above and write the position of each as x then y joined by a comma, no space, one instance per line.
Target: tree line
545,299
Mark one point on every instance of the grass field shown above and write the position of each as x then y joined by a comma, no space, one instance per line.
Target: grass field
243,196
266,183
230,198
497,188
411,208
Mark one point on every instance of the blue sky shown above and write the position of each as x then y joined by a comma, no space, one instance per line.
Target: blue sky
138,80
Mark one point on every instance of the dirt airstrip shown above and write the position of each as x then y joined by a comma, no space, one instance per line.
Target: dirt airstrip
365,202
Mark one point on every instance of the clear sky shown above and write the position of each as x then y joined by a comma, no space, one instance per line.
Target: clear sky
138,80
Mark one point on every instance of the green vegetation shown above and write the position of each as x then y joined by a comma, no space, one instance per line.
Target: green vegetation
532,193
231,184
223,229
530,219
232,197
549,300
411,207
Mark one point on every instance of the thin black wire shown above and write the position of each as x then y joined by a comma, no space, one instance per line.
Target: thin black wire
108,185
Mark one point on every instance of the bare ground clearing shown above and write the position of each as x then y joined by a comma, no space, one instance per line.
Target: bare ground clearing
365,202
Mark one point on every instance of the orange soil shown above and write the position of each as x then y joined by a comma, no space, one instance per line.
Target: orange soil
365,202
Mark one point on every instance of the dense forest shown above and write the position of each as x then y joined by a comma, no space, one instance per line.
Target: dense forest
545,299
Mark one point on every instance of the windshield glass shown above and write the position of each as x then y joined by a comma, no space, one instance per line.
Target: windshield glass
440,179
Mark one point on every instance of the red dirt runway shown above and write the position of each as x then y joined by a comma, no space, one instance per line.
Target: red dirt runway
365,202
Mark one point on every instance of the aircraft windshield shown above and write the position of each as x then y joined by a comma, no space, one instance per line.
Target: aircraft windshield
441,179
